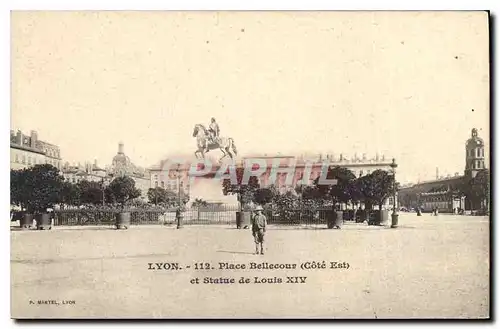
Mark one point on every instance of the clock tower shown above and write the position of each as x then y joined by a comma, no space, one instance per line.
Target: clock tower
474,154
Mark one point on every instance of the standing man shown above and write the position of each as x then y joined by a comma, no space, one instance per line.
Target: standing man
259,222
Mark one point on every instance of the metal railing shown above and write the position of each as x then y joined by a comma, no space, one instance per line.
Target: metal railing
208,215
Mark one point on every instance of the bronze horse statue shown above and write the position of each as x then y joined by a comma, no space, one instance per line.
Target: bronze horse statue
226,145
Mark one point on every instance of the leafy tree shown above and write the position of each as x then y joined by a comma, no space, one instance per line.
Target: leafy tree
375,188
479,189
244,192
286,204
159,195
310,198
90,192
123,189
18,192
343,191
70,194
197,203
36,188
265,195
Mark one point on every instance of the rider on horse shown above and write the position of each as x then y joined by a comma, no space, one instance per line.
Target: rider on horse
213,130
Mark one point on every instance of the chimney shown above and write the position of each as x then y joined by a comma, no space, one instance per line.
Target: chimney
437,173
19,138
34,138
120,148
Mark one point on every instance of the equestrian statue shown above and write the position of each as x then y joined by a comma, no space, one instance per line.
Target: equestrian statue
209,139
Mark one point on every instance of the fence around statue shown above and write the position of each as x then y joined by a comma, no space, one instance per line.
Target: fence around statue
208,215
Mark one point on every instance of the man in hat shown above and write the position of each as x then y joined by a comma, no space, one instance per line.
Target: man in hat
259,222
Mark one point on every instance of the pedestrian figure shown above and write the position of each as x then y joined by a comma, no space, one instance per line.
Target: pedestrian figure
259,222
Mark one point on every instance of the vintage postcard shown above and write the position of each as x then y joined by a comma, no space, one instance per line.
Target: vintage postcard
250,165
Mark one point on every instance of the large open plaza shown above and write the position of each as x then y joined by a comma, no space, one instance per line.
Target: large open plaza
428,267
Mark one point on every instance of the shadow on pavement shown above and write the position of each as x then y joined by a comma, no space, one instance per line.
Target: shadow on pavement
235,252
68,260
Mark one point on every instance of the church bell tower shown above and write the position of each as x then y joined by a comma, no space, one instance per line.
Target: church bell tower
474,154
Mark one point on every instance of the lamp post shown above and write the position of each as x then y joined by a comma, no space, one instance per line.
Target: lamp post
178,214
104,184
395,215
178,186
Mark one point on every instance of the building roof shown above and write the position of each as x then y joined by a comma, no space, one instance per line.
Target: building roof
26,148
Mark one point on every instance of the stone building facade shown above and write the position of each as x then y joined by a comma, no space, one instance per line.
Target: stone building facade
121,165
89,171
28,150
443,193
360,166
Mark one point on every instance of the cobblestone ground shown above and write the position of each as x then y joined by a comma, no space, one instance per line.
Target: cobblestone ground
431,267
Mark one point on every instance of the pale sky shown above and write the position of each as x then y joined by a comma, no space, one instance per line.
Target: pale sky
410,85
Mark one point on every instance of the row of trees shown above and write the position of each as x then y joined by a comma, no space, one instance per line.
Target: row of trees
166,198
40,187
372,189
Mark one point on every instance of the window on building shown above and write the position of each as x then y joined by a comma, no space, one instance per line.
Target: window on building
478,152
162,184
17,158
156,177
156,183
24,159
29,160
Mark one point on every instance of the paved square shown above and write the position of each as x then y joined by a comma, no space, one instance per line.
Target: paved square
431,267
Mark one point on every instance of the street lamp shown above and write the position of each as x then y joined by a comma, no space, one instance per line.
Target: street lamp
395,215
178,185
104,184
178,214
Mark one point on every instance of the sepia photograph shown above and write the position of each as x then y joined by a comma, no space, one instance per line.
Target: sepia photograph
250,165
